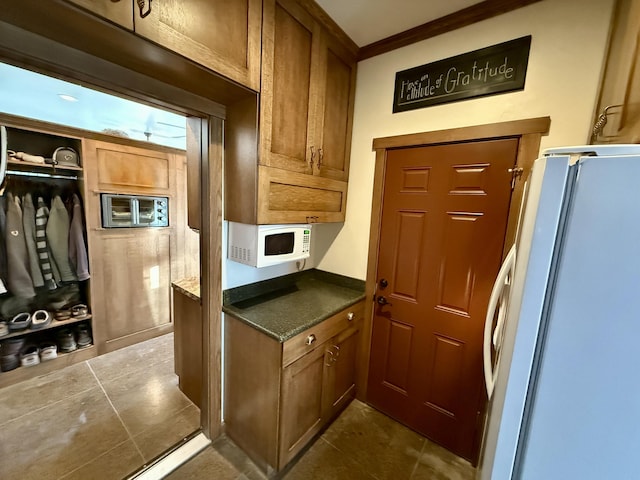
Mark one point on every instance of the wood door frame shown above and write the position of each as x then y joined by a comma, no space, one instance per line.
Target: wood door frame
98,54
528,131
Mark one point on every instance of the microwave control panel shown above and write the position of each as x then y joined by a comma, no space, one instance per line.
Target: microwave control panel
306,241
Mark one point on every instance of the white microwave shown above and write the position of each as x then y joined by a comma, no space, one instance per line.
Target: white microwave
265,245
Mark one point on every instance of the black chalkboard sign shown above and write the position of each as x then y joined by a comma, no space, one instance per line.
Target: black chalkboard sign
496,69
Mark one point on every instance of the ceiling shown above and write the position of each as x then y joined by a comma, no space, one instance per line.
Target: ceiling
367,21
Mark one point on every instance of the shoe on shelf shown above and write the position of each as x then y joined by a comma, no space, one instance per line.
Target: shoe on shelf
20,322
79,310
30,356
10,353
66,341
83,335
48,351
40,319
10,362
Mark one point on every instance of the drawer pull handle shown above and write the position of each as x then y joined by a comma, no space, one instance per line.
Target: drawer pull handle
310,339
351,316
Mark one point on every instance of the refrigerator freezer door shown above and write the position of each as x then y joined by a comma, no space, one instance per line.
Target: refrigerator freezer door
543,211
584,412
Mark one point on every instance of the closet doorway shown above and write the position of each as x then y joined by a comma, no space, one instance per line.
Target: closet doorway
106,381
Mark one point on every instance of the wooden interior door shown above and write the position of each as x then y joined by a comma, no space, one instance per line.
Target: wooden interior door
444,217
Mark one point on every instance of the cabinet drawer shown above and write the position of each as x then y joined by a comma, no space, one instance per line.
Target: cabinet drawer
317,335
291,197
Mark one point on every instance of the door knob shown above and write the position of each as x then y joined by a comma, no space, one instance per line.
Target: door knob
383,283
383,301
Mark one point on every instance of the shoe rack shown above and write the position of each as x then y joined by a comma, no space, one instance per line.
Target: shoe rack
38,141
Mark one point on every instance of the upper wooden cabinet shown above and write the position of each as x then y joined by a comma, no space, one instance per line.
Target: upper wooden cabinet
118,11
308,86
222,35
293,168
618,112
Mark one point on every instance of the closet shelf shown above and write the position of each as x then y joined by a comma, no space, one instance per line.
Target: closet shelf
63,360
43,167
53,324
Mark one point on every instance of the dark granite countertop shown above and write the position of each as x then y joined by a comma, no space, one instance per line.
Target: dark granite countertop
285,306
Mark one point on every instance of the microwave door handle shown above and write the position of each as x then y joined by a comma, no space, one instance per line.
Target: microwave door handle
503,274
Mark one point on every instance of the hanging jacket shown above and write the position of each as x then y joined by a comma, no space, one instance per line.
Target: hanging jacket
58,238
29,223
18,277
77,247
46,263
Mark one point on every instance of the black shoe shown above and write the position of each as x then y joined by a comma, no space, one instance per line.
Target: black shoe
66,341
83,335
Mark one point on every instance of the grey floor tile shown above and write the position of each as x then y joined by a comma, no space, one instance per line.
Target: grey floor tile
133,359
155,440
147,400
437,463
115,464
229,450
207,464
324,462
53,441
35,393
384,448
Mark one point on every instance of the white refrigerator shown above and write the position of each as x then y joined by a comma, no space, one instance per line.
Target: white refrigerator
562,353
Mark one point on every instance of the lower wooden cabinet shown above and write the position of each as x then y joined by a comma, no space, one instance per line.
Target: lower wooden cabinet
187,344
278,396
132,270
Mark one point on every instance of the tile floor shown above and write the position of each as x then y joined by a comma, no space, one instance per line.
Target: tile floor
362,444
100,419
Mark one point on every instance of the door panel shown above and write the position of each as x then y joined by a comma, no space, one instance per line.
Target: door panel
443,223
286,124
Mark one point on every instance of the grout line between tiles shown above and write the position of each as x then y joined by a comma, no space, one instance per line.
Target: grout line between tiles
66,475
415,467
116,411
350,459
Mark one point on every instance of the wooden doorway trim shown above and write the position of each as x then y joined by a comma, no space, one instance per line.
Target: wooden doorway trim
98,54
529,132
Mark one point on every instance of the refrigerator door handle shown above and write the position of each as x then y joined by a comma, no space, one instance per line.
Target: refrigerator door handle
496,299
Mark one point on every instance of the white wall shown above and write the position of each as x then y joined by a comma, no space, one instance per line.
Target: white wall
565,63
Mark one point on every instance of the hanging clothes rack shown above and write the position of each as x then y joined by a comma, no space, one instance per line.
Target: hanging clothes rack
41,175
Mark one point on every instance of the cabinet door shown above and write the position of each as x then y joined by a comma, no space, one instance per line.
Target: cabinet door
118,11
340,374
223,35
620,87
134,285
301,409
335,119
290,42
111,167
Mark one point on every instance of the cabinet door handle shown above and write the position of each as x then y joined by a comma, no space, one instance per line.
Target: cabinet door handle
143,14
313,155
310,339
329,359
337,354
320,157
351,316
